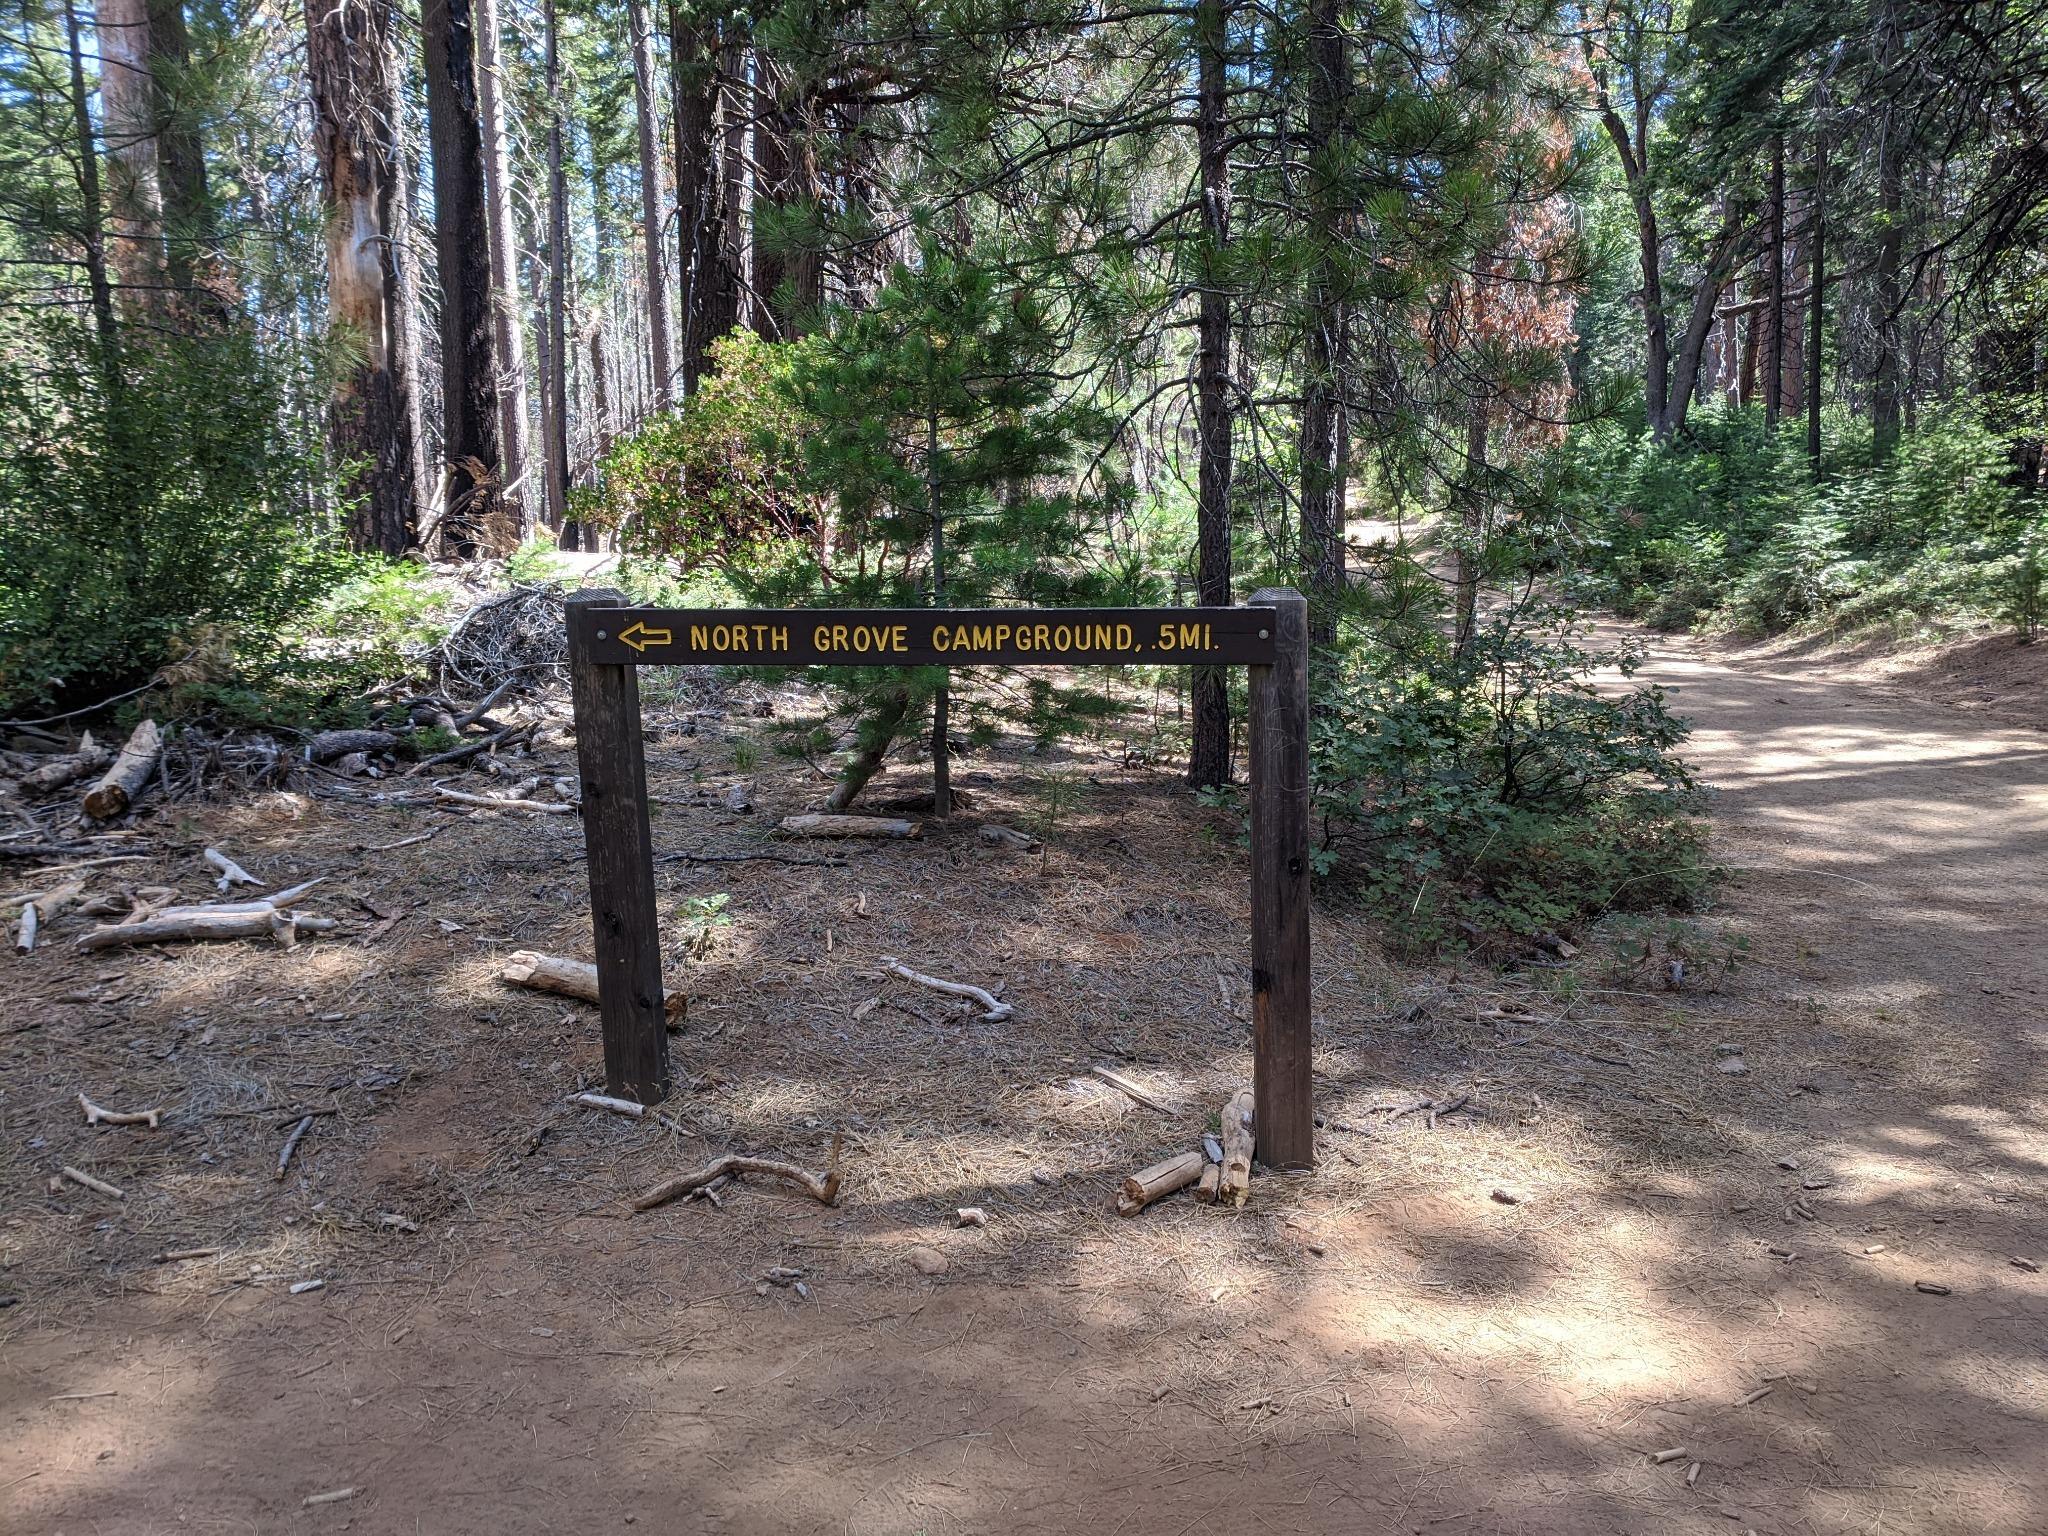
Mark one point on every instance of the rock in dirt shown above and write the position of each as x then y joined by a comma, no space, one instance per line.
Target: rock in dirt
927,1260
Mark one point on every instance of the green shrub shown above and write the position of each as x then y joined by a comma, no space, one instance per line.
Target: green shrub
173,523
1730,528
1501,791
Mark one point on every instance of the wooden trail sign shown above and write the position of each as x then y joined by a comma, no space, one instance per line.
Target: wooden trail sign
610,640
911,637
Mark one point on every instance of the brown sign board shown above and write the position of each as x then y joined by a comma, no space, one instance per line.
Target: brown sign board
926,637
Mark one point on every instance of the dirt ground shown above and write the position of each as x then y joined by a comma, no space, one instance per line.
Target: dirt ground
1384,1345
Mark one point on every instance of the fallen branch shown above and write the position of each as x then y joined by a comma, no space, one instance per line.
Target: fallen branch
97,1186
1159,1181
748,858
94,1115
996,836
540,807
195,923
995,1012
821,824
231,873
123,782
1125,1086
606,1101
824,1190
291,1144
572,978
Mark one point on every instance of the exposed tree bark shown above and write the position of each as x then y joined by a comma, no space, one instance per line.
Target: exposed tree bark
92,229
373,418
710,297
508,333
1325,423
659,331
1209,761
473,515
1816,242
191,230
128,111
555,377
1887,298
1774,370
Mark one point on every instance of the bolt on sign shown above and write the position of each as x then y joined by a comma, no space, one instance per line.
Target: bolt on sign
609,641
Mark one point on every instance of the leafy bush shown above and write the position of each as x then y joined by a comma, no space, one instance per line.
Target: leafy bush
1501,790
1731,528
719,480
163,519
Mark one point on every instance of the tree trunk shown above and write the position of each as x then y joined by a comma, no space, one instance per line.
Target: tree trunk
128,114
709,290
659,335
1472,513
1888,299
191,231
508,332
1209,762
1325,426
555,382
372,418
942,705
1633,152
1816,242
1774,369
92,231
474,519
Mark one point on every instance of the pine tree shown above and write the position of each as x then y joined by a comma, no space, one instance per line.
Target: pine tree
950,435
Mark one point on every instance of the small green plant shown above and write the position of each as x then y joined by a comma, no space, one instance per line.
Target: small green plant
702,919
746,754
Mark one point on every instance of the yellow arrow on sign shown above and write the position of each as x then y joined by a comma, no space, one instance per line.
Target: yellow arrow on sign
639,636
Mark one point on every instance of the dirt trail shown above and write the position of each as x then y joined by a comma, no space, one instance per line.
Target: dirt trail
1409,1355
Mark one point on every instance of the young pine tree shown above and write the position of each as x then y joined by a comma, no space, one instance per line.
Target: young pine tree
952,444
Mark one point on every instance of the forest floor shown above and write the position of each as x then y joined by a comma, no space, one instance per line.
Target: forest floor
1381,1346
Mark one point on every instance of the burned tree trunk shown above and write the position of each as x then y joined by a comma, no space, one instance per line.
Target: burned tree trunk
372,418
473,513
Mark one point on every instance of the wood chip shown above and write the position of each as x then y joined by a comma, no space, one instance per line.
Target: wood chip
1754,1397
1659,1458
1930,1288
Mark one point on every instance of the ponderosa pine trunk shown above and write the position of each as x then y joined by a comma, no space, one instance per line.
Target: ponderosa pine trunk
508,332
1325,423
473,515
372,416
92,227
709,288
1209,760
128,115
191,227
660,344
555,379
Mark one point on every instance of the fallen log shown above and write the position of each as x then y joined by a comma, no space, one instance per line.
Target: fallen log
1211,1181
122,783
573,978
195,923
822,824
329,745
824,1190
1159,1181
90,757
1235,1182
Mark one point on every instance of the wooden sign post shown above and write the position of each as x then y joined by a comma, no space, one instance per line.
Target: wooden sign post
609,640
